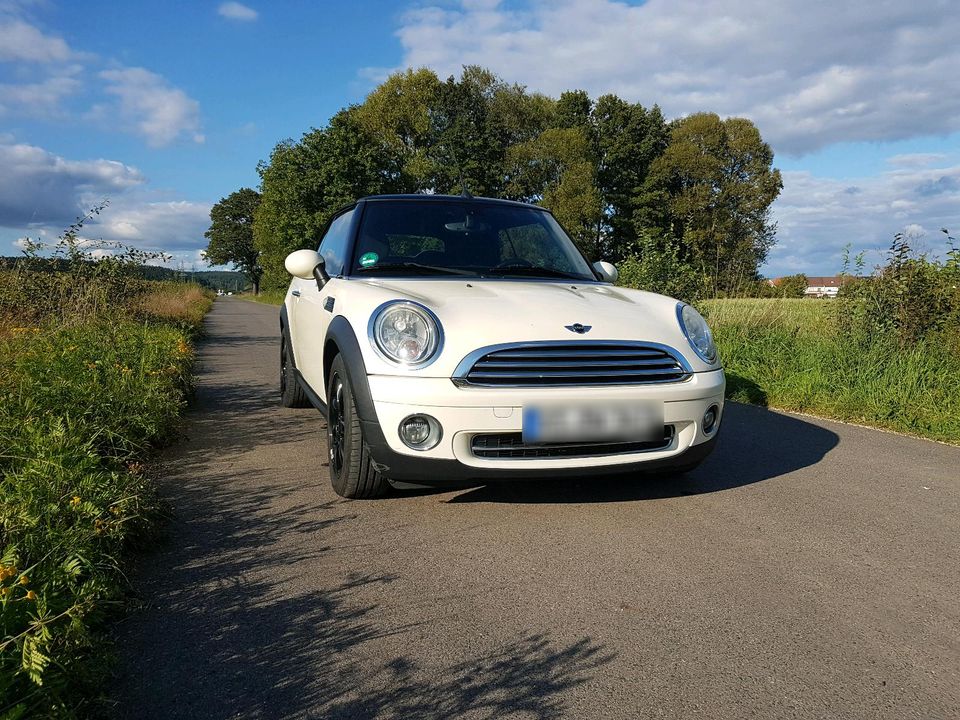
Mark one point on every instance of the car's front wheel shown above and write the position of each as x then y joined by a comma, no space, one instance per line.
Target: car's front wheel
352,472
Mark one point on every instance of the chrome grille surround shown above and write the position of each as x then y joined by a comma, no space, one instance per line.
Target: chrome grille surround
568,363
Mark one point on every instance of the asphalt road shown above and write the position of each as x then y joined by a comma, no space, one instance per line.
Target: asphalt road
809,569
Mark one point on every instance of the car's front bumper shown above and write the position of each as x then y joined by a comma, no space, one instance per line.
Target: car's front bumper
466,412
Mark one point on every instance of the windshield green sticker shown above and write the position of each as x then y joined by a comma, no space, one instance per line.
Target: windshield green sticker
368,259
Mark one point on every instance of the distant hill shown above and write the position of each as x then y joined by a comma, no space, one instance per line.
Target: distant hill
214,279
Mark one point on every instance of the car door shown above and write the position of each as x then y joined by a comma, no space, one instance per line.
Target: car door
314,307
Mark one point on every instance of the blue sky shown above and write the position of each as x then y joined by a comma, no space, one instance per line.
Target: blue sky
166,107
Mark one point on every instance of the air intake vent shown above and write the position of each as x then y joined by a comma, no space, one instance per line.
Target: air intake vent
574,363
511,445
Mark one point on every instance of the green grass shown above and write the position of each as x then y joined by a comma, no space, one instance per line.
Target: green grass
81,406
267,297
789,354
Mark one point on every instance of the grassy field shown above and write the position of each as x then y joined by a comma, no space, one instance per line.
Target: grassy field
267,297
84,398
790,354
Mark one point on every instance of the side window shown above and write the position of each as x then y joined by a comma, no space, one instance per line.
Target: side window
333,247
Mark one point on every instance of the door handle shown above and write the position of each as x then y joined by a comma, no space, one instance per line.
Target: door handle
295,293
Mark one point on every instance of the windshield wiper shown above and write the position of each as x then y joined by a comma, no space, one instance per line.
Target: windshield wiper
533,272
417,267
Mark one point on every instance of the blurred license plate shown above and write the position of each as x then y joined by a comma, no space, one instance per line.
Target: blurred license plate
593,421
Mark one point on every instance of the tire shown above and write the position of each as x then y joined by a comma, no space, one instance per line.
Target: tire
291,394
352,473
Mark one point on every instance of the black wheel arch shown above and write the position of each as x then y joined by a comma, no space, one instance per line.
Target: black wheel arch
342,340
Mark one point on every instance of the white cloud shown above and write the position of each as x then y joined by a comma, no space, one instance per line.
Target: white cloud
916,159
819,216
20,41
38,99
171,225
809,74
153,108
237,11
40,188
41,193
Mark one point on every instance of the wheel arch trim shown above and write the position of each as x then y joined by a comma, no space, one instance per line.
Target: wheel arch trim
341,335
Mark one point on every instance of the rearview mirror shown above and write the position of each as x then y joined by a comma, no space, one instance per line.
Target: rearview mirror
302,262
606,271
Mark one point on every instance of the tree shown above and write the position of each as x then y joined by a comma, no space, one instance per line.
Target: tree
627,139
231,234
556,170
712,189
304,183
792,286
397,116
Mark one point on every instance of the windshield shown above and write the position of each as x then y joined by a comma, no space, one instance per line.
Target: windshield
478,239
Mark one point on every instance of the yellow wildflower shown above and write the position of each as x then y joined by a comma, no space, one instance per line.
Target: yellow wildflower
4,591
24,580
75,500
31,595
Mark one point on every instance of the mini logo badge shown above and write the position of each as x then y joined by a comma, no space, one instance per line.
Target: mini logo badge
578,328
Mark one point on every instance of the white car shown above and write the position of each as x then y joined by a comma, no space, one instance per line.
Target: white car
456,340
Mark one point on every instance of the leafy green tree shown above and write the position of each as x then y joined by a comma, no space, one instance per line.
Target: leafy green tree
230,237
712,189
627,139
792,286
573,109
397,116
305,182
556,170
476,120
613,172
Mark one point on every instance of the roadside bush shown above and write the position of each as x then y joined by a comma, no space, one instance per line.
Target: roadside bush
659,268
89,384
911,299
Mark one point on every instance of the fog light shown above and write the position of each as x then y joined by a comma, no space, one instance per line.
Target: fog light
420,432
710,419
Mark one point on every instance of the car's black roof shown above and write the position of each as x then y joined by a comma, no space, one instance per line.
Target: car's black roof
447,198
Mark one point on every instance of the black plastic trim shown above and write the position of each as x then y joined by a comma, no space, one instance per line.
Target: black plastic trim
451,473
311,395
342,334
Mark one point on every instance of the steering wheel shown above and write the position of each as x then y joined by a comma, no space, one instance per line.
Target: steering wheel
513,262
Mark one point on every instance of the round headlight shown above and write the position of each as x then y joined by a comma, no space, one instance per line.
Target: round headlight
405,333
697,332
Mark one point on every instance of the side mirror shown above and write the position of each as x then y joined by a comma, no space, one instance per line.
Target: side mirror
306,264
302,262
606,271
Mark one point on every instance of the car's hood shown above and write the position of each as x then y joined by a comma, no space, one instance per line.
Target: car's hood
478,313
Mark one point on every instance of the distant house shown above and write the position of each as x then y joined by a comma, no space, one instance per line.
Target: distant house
821,287
817,287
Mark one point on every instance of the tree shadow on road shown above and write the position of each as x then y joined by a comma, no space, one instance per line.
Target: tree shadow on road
226,633
239,619
755,445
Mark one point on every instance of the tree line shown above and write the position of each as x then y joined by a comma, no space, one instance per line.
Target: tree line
685,205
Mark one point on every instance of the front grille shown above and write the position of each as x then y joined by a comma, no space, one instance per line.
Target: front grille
511,445
572,363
